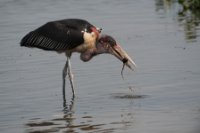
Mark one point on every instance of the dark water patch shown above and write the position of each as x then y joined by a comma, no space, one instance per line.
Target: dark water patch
45,130
78,126
87,117
34,118
127,96
45,123
44,127
121,122
63,119
59,119
92,127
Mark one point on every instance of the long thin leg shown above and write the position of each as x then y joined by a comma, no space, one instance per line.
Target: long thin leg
64,76
71,76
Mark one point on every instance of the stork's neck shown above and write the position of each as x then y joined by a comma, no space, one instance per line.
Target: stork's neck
88,54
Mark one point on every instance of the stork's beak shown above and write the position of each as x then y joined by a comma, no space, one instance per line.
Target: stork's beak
118,52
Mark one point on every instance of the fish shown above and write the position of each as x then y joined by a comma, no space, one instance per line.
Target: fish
124,63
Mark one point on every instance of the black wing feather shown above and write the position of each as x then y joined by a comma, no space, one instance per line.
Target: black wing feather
57,35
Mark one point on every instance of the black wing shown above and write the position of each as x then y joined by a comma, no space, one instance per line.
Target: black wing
58,35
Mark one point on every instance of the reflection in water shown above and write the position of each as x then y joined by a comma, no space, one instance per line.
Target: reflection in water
70,123
163,4
68,114
187,18
190,21
127,96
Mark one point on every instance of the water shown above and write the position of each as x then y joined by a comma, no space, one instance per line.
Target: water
162,95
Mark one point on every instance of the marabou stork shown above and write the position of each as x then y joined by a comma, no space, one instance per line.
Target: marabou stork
75,35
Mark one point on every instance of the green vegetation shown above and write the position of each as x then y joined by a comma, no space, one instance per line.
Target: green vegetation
190,4
188,15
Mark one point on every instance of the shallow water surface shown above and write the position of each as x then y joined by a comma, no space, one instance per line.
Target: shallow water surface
161,96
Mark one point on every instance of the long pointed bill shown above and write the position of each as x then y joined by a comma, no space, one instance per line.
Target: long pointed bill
123,56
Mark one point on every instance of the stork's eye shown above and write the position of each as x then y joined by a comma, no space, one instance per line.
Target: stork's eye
111,41
108,40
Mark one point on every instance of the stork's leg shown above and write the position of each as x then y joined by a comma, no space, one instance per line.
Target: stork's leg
64,76
71,77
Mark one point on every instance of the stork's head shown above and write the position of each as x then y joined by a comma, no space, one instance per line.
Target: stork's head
107,44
